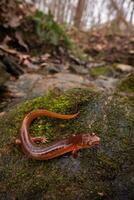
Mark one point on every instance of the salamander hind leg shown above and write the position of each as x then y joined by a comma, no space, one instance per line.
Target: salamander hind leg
34,139
42,139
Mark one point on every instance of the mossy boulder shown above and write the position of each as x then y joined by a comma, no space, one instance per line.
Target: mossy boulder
101,71
106,172
127,84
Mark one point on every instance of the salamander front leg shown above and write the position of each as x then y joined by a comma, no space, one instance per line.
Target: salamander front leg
42,139
75,153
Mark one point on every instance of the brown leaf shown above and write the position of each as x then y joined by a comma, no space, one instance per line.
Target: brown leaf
44,57
14,52
30,65
23,57
5,48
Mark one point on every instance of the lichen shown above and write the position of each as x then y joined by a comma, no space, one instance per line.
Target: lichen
96,174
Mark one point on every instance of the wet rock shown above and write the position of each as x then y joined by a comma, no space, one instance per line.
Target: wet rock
107,83
124,68
53,69
12,66
76,60
91,64
102,71
79,69
24,86
65,81
105,172
32,85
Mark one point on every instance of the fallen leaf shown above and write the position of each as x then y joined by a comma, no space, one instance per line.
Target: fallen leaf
22,57
5,48
15,21
19,37
44,57
30,65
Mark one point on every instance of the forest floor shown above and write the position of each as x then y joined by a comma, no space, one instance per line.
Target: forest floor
30,67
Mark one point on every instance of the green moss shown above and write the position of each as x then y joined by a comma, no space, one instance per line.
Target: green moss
77,52
46,32
127,84
97,71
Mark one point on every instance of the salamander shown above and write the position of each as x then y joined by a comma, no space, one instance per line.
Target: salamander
54,149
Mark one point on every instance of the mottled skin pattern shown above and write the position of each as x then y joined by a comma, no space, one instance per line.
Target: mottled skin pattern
54,149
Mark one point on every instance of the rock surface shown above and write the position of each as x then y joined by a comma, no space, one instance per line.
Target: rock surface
4,76
33,85
127,84
103,173
124,68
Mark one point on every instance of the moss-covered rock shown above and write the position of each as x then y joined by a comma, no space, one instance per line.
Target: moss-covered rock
127,84
101,71
103,173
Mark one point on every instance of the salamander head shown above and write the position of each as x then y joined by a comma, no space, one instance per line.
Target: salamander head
84,140
89,140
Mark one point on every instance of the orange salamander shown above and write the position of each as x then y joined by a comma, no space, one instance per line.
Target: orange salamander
54,149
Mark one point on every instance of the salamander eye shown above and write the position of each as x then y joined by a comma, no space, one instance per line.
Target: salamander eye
93,134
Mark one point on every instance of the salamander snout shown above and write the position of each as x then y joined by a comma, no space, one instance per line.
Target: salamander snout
90,139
